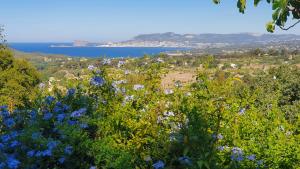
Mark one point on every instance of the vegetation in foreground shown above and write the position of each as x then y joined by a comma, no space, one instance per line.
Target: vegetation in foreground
117,115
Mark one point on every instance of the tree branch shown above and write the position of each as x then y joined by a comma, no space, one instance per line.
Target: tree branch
283,28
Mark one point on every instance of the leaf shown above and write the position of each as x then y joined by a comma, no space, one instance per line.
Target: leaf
200,164
241,4
270,27
206,165
256,2
216,1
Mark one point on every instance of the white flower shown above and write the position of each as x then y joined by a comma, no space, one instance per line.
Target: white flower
168,91
121,63
178,84
274,77
42,85
91,67
138,87
120,82
160,60
127,72
147,158
281,128
168,114
242,111
160,119
129,98
106,61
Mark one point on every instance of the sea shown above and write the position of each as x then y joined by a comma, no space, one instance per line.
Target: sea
108,52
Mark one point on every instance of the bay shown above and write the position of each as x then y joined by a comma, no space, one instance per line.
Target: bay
109,52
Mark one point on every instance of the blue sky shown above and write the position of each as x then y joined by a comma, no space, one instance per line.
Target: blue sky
114,20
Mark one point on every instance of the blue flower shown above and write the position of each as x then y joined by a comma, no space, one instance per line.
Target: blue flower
52,144
242,111
4,113
30,153
58,104
2,165
239,158
185,160
47,153
68,150
61,160
221,148
5,138
47,116
66,107
61,117
14,134
97,81
35,135
14,143
84,126
93,167
57,109
38,153
3,107
159,165
49,99
237,150
260,162
220,136
1,146
251,157
12,163
78,113
71,92
9,122
33,114
72,122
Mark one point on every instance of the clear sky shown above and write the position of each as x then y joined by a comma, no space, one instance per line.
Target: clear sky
114,20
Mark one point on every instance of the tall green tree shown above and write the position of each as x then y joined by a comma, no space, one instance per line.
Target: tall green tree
283,10
18,79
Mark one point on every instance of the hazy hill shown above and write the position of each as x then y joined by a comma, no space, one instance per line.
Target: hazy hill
241,38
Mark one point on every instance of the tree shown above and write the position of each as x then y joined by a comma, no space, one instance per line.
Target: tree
283,10
17,78
2,38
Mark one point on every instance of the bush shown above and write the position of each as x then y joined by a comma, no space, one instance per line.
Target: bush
220,121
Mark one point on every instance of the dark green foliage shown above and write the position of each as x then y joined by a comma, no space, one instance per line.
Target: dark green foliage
282,11
17,80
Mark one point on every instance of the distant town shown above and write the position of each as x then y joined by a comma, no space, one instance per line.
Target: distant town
201,43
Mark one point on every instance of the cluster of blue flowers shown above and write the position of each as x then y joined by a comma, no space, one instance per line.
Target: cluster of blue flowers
238,155
159,165
185,160
29,139
97,81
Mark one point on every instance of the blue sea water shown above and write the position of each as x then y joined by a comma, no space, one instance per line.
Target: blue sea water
44,48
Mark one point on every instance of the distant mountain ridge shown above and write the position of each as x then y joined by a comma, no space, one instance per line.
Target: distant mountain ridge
239,38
